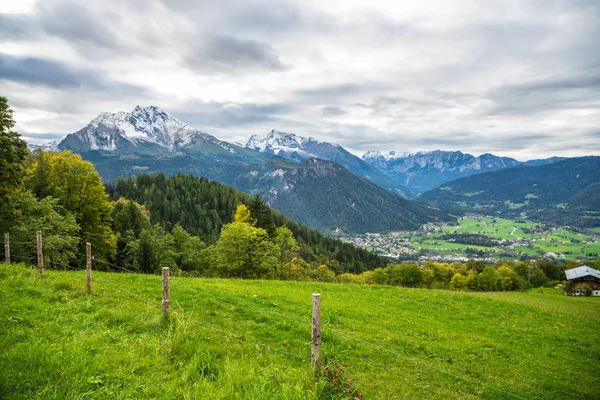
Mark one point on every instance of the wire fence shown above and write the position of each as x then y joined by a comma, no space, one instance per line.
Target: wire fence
289,317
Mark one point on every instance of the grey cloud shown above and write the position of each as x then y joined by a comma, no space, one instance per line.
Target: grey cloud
226,53
231,115
531,69
78,24
571,92
41,137
332,111
580,81
392,105
32,70
95,30
17,27
268,17
337,93
50,73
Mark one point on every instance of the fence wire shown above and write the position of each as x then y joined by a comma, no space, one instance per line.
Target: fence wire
208,326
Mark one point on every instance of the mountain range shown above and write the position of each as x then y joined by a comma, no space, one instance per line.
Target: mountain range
291,173
426,170
318,183
297,149
565,192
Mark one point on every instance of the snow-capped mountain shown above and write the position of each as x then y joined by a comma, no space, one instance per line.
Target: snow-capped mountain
439,160
428,169
45,147
291,146
296,148
146,130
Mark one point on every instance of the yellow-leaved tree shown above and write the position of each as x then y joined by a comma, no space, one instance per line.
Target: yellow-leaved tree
77,185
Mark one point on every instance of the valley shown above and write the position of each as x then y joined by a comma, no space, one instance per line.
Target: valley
485,238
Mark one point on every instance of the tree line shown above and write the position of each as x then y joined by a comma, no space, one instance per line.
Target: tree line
203,207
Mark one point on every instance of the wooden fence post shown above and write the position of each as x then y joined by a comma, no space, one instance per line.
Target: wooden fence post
40,256
6,248
88,267
316,332
165,292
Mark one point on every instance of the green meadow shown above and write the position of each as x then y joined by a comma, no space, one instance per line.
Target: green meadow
559,241
234,339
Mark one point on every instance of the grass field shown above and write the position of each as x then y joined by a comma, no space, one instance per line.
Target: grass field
57,342
443,244
501,229
557,241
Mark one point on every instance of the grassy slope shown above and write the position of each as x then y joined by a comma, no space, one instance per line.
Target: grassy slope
58,342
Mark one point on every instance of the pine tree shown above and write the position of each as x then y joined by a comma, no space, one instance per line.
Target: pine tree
13,151
262,214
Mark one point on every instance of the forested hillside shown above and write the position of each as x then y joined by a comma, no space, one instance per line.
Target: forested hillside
202,207
564,192
328,197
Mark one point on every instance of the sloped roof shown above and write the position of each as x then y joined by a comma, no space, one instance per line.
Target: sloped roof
582,271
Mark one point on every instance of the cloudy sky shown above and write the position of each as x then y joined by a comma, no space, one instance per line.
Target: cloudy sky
517,78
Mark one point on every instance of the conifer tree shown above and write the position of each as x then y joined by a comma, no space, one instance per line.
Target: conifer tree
13,151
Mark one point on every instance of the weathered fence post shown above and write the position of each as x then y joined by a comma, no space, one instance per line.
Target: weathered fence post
40,256
6,248
165,292
88,267
316,332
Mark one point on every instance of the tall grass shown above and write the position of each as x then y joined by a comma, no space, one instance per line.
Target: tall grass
251,339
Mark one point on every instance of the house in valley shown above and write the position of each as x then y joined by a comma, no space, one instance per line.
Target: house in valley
583,281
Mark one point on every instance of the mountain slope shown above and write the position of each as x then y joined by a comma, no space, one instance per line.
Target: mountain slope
297,148
570,185
327,196
202,207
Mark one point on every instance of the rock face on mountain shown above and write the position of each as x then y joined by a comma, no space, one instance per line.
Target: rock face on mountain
423,171
296,148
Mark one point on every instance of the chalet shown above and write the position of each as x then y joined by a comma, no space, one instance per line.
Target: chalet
581,280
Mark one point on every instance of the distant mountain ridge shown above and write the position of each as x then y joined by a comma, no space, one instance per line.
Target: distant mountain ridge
423,171
150,131
566,191
296,148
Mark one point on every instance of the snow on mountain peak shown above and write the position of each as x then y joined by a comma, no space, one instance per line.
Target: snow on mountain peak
53,145
276,141
375,155
150,124
369,154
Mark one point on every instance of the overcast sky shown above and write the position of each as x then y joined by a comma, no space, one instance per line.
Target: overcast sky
516,78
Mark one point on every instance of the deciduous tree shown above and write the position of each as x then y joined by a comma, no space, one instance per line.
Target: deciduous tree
80,191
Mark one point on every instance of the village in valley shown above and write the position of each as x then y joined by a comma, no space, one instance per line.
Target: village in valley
484,238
